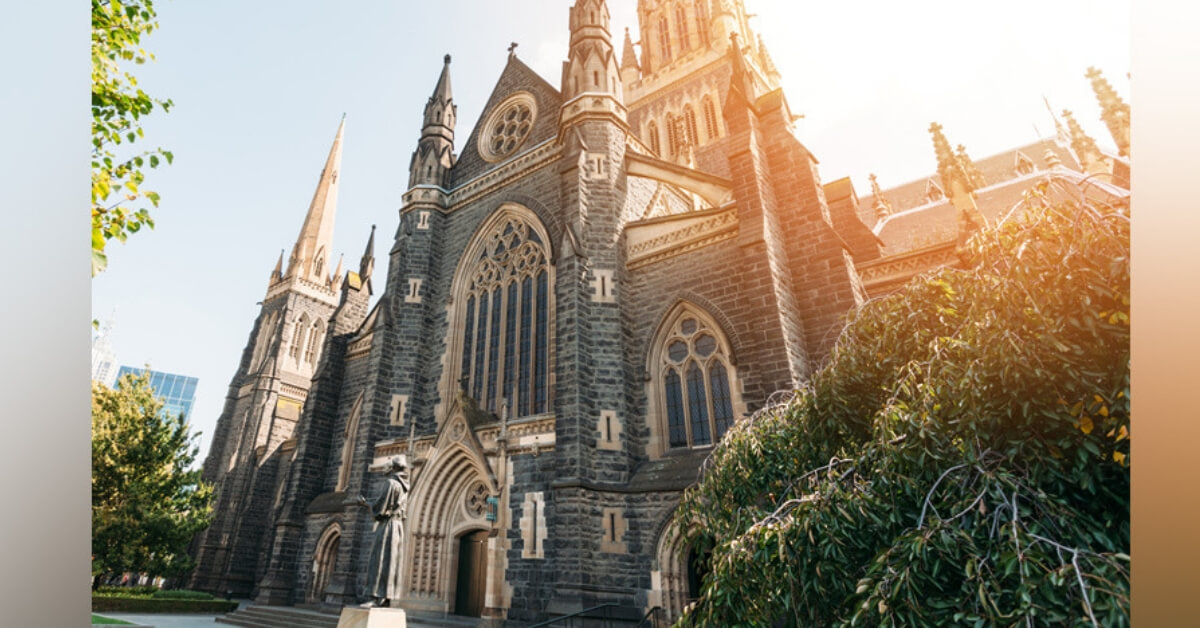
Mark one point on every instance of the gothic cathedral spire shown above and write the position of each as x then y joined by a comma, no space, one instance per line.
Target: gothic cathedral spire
434,157
591,66
310,255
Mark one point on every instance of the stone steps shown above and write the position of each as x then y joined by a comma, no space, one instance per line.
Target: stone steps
292,617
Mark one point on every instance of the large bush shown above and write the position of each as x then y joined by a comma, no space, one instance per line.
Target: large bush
962,458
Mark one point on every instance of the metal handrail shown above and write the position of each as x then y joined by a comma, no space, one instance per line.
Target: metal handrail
652,624
559,620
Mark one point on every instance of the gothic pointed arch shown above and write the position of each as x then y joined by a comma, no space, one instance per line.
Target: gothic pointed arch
449,499
324,560
502,310
693,392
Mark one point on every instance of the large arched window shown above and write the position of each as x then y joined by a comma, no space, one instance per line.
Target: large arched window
504,291
689,119
298,337
685,43
702,21
313,351
710,118
694,392
652,136
664,40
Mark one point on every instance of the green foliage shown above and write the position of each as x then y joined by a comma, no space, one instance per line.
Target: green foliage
97,619
118,105
112,603
146,503
962,458
181,594
145,590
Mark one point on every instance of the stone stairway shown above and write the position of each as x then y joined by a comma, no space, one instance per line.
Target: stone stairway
291,617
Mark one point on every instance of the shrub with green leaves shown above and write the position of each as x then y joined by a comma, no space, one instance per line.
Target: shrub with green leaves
962,457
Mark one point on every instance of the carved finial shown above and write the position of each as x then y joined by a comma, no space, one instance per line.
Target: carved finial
956,181
512,49
1114,111
1084,146
882,207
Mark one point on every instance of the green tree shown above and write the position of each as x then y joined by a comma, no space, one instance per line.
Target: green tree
146,503
118,105
962,458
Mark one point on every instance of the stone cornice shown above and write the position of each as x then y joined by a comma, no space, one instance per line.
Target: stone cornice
305,287
699,231
897,268
528,435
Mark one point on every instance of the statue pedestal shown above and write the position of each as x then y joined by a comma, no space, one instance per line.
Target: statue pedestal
356,617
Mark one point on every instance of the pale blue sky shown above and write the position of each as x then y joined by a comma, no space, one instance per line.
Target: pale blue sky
259,89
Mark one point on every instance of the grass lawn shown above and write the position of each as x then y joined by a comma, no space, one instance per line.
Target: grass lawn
96,619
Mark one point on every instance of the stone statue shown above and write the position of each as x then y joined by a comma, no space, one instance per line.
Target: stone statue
389,511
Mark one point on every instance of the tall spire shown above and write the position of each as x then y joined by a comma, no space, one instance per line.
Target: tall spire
435,151
957,182
310,255
1115,112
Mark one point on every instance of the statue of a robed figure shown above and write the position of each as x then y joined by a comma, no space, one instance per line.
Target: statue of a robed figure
389,511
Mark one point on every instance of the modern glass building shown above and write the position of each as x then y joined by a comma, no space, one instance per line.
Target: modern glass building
177,392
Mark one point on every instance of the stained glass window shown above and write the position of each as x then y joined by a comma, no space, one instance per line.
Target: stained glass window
509,303
696,395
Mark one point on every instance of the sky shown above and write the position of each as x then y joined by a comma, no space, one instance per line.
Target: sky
259,88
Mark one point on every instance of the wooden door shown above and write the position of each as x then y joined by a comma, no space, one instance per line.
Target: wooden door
472,574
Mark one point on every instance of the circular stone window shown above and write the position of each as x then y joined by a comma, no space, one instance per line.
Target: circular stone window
508,127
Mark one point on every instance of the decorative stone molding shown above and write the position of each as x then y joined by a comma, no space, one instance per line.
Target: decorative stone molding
653,241
604,286
533,526
611,430
414,291
888,270
614,527
399,406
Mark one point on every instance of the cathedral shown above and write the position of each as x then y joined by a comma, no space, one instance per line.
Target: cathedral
580,298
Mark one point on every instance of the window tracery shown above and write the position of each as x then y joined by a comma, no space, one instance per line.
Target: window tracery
693,380
506,291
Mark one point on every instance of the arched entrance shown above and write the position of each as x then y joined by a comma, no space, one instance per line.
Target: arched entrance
471,575
448,525
323,563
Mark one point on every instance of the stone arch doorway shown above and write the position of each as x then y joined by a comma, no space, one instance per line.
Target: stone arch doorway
448,504
471,575
323,563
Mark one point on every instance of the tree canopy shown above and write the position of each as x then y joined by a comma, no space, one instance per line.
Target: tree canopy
146,502
961,458
118,105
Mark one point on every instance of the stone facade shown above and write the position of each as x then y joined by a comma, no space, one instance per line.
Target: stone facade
579,300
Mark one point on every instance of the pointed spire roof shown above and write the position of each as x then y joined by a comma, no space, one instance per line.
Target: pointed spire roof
765,57
368,259
277,273
337,274
440,110
313,247
628,54
442,89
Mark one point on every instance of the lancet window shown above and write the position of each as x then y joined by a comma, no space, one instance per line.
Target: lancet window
507,304
694,380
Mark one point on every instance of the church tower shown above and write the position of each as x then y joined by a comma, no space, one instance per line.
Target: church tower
267,393
434,156
676,93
